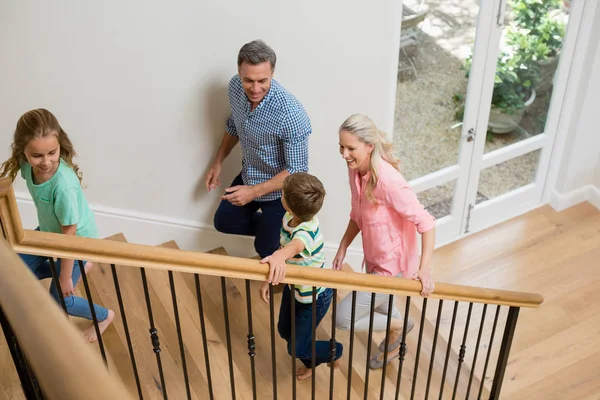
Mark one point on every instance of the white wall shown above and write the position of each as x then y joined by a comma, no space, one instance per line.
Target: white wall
140,86
577,179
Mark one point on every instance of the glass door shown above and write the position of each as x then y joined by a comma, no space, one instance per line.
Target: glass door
444,48
512,154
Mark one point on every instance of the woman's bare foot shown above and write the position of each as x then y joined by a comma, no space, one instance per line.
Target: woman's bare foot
390,356
303,373
90,333
394,335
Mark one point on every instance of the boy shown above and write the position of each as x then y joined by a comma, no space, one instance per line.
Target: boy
301,244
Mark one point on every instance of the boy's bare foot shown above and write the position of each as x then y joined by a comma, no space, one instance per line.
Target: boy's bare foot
336,364
303,373
90,333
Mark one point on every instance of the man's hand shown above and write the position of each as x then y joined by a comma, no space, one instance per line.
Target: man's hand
239,195
212,177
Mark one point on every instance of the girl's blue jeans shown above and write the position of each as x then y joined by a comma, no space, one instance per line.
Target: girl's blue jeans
76,306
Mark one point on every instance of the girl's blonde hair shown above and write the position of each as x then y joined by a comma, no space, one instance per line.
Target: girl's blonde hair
365,130
36,124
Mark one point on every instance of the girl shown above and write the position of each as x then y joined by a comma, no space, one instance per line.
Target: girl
43,152
387,212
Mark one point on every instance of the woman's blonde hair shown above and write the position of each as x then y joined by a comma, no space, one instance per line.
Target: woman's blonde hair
365,130
36,124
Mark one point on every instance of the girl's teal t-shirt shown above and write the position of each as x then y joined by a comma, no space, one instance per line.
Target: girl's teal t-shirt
60,201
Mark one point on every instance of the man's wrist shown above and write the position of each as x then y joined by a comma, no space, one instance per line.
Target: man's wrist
256,191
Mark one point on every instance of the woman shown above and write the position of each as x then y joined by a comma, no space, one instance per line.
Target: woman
387,212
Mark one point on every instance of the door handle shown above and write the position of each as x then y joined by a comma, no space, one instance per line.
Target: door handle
471,135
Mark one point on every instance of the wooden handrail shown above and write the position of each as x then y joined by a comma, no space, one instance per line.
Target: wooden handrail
65,366
128,254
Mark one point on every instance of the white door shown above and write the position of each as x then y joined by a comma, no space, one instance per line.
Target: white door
508,172
466,177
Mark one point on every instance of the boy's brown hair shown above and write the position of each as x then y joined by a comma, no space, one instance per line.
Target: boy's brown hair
303,194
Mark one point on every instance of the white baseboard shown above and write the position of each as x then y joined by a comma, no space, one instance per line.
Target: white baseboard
595,197
152,229
590,193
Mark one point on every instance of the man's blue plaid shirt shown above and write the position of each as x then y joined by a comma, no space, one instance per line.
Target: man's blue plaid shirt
273,137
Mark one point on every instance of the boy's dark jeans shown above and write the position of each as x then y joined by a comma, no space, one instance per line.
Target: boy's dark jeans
303,328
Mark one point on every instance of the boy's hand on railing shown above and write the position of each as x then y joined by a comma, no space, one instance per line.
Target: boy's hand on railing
264,292
276,267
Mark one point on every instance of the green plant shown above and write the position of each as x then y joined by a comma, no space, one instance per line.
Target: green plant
533,36
514,80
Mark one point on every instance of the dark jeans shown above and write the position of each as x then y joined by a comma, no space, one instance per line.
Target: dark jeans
303,328
246,220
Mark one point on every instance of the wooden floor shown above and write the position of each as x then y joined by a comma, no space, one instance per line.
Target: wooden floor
555,353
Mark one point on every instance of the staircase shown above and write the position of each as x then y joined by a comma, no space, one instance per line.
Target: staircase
191,325
119,362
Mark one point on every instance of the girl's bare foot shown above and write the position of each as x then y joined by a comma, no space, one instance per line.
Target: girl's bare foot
303,373
90,333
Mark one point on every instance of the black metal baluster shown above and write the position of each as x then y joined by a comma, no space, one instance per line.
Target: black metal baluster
352,317
487,358
228,336
443,381
386,343
179,335
332,344
433,348
293,333
402,346
313,341
414,382
126,328
476,350
203,329
57,283
273,360
92,310
29,384
369,345
154,334
463,348
251,344
507,338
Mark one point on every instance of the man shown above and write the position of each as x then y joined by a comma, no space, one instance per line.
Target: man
272,128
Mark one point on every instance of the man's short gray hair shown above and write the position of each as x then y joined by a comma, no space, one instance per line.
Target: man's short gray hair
257,52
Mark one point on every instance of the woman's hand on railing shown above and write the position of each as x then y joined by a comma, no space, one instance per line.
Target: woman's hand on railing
264,292
424,275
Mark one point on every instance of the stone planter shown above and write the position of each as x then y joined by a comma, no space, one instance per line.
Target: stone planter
501,123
